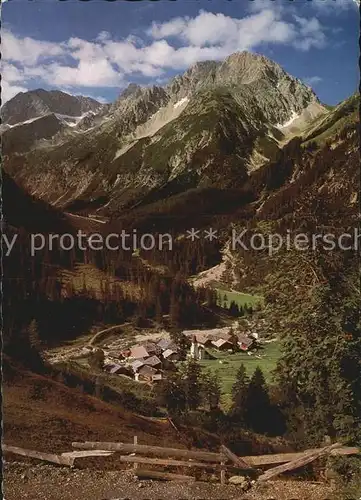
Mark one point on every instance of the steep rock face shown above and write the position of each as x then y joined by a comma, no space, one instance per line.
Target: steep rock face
311,189
209,126
200,75
28,105
249,76
23,136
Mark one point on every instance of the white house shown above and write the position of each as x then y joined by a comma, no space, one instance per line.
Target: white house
197,350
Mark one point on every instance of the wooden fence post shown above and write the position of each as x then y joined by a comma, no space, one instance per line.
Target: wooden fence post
329,474
239,462
98,391
223,472
135,466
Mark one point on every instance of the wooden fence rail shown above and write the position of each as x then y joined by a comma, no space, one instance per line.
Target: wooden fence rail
150,450
306,458
137,454
60,459
168,462
251,461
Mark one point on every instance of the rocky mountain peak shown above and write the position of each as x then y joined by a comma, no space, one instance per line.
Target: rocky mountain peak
139,99
39,102
246,67
131,90
199,75
210,125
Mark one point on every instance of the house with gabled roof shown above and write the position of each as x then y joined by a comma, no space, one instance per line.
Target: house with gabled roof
146,373
170,355
222,344
157,377
153,361
136,365
204,339
121,370
245,343
152,348
166,344
139,352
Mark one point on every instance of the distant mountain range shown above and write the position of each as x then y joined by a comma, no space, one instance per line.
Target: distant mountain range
210,127
37,103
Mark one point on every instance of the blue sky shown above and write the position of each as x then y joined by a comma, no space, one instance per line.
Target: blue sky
96,48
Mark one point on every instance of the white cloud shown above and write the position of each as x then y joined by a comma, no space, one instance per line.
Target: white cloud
312,80
11,73
106,62
96,73
330,7
171,28
11,81
8,91
212,29
208,29
265,24
311,34
98,98
27,50
264,27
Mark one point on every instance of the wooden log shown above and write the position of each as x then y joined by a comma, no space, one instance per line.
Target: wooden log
307,458
281,458
253,461
172,424
239,462
46,457
87,453
166,476
150,450
168,462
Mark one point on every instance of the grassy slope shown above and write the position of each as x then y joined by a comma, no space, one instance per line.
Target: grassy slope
42,414
231,362
325,126
93,278
238,297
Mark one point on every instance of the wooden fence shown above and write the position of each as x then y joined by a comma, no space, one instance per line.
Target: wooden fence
225,461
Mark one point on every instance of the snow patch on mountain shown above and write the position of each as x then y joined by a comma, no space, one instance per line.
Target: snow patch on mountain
24,122
73,121
155,122
185,100
123,150
294,117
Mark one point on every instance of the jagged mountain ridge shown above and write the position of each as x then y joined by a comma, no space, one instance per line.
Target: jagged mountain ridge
35,103
211,125
39,115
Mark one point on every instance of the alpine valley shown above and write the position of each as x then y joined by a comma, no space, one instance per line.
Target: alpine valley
228,146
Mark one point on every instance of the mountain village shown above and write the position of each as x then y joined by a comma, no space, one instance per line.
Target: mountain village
151,360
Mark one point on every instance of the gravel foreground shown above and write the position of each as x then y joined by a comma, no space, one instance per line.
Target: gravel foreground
47,482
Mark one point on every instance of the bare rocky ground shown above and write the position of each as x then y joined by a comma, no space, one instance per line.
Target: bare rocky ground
47,482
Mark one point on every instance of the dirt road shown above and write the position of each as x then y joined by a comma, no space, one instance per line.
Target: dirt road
46,482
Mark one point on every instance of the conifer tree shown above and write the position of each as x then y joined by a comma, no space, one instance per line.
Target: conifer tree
34,337
258,406
172,394
320,365
191,373
239,396
211,389
32,353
